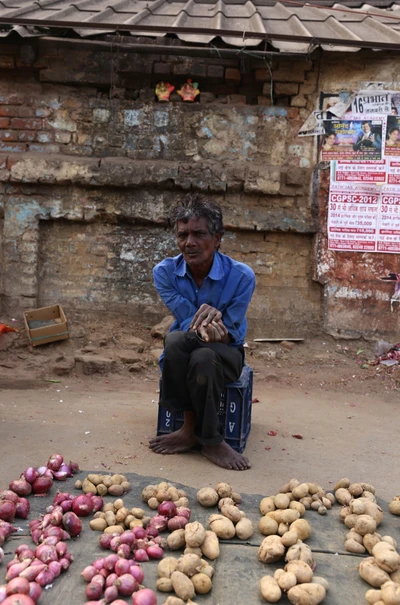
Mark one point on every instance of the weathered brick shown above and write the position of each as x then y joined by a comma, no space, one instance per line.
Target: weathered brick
43,112
27,135
8,111
199,70
233,75
63,137
4,122
9,135
264,100
26,112
44,148
12,147
308,88
162,69
13,98
183,69
44,137
293,113
237,99
215,71
26,124
286,89
298,101
7,62
101,116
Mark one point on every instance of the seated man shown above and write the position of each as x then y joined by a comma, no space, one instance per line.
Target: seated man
208,293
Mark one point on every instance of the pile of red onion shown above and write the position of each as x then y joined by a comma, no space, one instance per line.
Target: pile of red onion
170,517
139,543
33,569
112,577
11,506
6,529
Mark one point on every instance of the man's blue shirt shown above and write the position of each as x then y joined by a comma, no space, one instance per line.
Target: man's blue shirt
228,287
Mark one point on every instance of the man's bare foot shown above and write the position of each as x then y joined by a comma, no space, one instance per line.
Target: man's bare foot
223,455
174,443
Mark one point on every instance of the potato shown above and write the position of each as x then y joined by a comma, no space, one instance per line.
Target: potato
369,541
148,492
163,495
101,489
343,496
195,551
394,506
232,513
302,528
225,502
164,585
353,546
300,552
236,497
314,488
287,580
373,596
166,566
320,580
207,497
153,503
126,486
95,479
194,534
353,535
301,570
285,489
371,572
88,487
289,538
224,490
210,546
365,525
115,490
322,510
367,487
137,512
301,491
181,493
271,549
244,529
289,515
114,529
301,509
278,572
270,590
183,501
355,489
111,518
268,526
135,523
391,593
316,504
389,540
267,505
189,564
386,557
78,484
283,528
223,527
176,539
281,501
182,585
342,483
175,601
395,576
107,480
351,520
98,524
202,583
306,502
173,492
306,594
121,514
206,568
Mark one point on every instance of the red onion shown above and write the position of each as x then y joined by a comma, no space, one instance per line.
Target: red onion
21,487
98,503
115,542
82,505
46,553
137,572
15,570
74,467
31,474
88,573
64,562
55,568
19,599
56,531
72,524
98,564
110,579
36,535
32,571
42,485
61,549
45,521
126,585
167,509
183,511
17,586
98,579
66,505
110,594
52,540
22,508
141,555
141,544
138,532
110,561
28,553
45,577
127,537
155,552
8,494
177,523
3,592
56,516
41,470
61,497
93,591
20,549
35,591
34,524
159,522
105,541
64,468
60,475
7,510
122,567
54,462
124,550
151,531
145,596
1,556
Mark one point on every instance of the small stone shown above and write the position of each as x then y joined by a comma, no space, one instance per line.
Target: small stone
60,357
134,341
162,328
287,344
89,349
92,364
103,342
64,368
77,332
136,367
129,356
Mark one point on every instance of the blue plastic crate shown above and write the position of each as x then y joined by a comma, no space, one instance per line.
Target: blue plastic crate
234,412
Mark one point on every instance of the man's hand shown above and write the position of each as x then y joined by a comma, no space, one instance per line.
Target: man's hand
204,316
213,332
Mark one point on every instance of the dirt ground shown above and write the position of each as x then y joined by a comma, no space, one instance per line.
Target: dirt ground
345,410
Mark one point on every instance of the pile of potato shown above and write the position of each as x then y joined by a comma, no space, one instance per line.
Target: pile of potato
209,497
310,495
186,576
394,506
115,518
195,539
153,495
101,485
297,580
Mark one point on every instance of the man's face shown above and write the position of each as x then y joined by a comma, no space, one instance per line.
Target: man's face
366,128
196,243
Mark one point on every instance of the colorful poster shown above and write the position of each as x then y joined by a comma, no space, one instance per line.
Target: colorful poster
352,139
388,236
365,172
393,171
392,140
353,217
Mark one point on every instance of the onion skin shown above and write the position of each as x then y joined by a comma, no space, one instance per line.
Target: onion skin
31,474
45,577
98,503
160,522
46,553
138,532
105,541
72,524
54,462
183,511
177,523
61,497
155,552
73,467
122,567
145,596
31,572
110,561
124,551
110,594
88,573
15,570
21,487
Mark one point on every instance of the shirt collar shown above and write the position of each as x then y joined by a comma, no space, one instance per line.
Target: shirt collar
216,272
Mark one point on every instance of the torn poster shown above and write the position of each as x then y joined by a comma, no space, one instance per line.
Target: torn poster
352,139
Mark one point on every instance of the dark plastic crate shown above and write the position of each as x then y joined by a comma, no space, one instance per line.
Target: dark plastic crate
234,412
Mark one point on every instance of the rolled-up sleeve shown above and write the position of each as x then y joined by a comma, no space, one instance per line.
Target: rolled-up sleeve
181,308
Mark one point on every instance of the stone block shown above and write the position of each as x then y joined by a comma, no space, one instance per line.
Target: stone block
237,99
12,147
286,89
9,135
215,71
93,364
207,97
26,123
62,137
101,116
233,76
44,137
298,101
264,100
129,356
198,70
162,69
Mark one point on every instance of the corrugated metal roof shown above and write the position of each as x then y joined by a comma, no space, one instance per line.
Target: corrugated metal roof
288,26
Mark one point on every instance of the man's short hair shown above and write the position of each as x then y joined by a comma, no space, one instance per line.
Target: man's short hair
366,122
195,205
